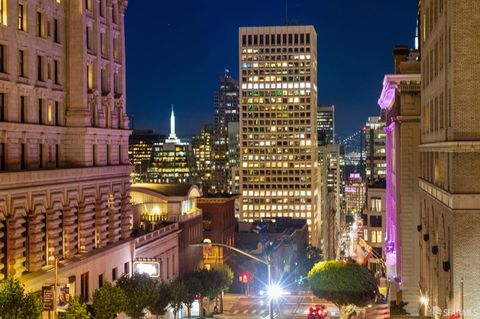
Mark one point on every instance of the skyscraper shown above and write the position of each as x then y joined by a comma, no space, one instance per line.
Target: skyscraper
227,111
450,154
139,151
375,160
65,178
202,153
171,162
325,125
278,131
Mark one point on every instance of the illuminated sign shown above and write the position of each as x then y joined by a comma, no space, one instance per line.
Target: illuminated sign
151,268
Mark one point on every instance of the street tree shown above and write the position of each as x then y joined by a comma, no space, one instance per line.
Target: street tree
183,291
15,303
76,310
345,284
140,292
226,274
161,299
211,285
108,301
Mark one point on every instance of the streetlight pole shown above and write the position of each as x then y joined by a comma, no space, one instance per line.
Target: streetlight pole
55,285
265,262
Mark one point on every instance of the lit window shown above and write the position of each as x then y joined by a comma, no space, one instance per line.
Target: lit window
3,12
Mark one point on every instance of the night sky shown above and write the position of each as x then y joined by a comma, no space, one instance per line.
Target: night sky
177,50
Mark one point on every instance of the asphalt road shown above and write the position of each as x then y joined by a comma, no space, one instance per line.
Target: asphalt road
288,306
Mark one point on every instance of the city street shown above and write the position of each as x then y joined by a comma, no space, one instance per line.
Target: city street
290,306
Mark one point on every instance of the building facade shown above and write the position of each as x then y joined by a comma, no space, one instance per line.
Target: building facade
227,111
374,225
400,100
375,161
172,161
64,173
202,153
234,158
140,150
355,192
218,226
278,131
326,125
449,154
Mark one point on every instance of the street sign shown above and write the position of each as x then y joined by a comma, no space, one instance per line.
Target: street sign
47,297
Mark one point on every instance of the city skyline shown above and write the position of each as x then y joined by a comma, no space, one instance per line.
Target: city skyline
154,87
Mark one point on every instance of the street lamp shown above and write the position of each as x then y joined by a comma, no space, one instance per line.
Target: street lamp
207,242
54,259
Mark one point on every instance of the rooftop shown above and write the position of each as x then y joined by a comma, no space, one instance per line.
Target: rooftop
169,190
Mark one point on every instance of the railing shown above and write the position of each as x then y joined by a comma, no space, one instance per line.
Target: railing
147,238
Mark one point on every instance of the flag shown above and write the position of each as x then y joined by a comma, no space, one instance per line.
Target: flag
378,311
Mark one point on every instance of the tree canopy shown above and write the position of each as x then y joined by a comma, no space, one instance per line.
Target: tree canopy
343,283
140,290
108,301
76,310
15,303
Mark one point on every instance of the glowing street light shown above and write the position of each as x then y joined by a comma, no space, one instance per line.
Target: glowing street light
208,243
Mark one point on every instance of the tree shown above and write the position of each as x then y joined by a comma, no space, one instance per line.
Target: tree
108,301
15,303
226,274
140,292
76,310
183,291
346,284
161,300
211,285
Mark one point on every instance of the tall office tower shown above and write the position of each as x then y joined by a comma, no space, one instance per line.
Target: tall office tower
331,161
139,150
400,101
355,192
227,111
375,161
450,154
234,157
202,153
278,131
325,125
172,161
64,173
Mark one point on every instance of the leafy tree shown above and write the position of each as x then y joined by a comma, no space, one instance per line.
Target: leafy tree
140,292
183,291
15,303
162,299
211,285
226,274
76,310
346,284
108,301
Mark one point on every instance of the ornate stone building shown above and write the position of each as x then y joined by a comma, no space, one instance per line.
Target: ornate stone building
450,155
64,173
400,100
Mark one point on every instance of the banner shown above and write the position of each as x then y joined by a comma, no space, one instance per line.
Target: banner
47,297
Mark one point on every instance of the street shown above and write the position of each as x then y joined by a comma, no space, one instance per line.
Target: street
288,306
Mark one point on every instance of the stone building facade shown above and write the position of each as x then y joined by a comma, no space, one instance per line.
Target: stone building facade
400,100
450,154
64,173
